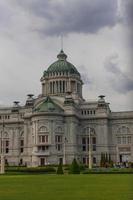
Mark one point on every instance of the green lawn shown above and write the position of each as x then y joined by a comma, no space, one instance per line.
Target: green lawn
66,187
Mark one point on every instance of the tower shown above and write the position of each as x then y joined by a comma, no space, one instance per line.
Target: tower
60,78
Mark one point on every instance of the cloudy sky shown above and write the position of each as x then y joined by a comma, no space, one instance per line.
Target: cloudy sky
97,40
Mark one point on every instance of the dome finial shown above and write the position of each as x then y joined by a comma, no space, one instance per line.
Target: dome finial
62,55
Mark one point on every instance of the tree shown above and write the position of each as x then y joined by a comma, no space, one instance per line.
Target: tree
60,169
101,161
106,160
74,168
110,161
109,158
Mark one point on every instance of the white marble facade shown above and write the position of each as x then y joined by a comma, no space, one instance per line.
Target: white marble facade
56,126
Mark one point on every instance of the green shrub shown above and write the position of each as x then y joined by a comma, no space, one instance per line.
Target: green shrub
60,169
82,167
74,168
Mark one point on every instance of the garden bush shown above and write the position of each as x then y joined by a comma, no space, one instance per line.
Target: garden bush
74,168
60,169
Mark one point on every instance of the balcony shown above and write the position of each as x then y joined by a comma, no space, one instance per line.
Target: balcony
41,153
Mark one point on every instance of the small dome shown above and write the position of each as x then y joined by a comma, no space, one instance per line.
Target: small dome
62,65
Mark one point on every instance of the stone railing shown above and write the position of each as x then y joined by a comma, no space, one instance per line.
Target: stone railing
126,114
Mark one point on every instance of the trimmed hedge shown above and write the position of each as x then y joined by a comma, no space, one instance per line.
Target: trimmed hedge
109,171
31,169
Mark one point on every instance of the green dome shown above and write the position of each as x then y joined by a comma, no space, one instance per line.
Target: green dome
62,65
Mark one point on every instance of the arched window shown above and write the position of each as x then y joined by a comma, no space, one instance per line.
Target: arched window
59,130
43,129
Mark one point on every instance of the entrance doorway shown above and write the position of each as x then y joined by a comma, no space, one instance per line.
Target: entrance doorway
42,161
61,160
85,160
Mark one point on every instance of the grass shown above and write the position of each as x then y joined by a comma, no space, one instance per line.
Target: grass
67,187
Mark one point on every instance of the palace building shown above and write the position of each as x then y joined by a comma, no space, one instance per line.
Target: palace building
60,125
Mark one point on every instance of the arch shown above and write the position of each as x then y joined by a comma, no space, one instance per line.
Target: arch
43,129
123,130
59,129
22,134
6,135
87,130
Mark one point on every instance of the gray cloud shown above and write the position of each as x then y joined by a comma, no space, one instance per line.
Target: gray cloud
120,81
127,20
56,17
127,12
87,80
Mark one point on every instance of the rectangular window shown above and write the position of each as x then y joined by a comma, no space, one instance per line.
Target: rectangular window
21,149
129,139
43,138
43,148
58,141
83,140
94,140
58,138
85,143
84,160
46,140
21,142
94,160
94,147
118,140
84,148
7,143
7,150
124,140
21,145
39,139
59,147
